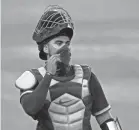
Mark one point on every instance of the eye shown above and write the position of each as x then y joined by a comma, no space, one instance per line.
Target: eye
59,43
68,43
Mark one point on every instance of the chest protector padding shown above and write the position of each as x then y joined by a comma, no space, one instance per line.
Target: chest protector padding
68,104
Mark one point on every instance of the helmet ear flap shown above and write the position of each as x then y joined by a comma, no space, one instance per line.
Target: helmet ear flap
42,55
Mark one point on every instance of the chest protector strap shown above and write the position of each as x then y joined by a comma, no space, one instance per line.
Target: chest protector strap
85,82
37,74
86,72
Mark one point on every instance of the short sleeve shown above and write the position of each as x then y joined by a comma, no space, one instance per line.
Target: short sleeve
23,92
100,103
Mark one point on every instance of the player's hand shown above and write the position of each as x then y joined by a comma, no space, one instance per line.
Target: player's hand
52,64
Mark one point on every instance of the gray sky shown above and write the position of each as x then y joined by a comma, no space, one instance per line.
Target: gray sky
28,11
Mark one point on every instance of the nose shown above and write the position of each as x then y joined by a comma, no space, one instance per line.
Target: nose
62,48
67,46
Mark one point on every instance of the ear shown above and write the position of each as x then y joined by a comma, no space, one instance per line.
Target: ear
45,48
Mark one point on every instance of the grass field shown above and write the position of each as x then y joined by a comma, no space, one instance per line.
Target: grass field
110,48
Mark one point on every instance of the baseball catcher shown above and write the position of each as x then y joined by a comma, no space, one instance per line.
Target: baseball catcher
61,95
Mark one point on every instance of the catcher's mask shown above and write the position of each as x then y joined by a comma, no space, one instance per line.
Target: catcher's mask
54,20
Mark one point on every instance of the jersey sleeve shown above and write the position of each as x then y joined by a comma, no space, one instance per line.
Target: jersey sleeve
100,103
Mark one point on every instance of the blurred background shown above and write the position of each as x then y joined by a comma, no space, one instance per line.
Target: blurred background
106,38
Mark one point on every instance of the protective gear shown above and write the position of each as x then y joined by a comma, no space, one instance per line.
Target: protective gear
26,81
68,101
67,106
54,20
42,55
111,125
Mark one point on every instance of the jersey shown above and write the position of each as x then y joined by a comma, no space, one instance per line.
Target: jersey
70,104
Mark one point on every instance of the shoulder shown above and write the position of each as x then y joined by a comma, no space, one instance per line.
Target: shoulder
85,67
87,70
28,79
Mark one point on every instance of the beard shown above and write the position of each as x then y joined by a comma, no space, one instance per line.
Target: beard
62,69
65,57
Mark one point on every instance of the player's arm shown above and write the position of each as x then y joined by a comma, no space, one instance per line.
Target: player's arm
33,95
100,107
32,102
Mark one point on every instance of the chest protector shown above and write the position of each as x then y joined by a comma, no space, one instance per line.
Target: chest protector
68,104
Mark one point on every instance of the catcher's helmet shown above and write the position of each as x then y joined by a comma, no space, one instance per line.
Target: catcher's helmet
54,20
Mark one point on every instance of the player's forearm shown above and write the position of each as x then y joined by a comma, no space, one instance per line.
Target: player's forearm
103,117
107,122
33,102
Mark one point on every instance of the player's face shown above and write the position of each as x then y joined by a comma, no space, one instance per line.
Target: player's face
55,44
